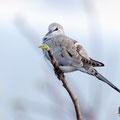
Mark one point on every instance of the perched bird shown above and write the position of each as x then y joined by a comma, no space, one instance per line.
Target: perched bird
70,55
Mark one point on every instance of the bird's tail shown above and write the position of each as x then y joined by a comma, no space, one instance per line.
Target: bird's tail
100,77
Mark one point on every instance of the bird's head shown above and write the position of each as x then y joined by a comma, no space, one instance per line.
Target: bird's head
54,29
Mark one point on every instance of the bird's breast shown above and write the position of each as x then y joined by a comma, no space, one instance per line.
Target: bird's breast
67,69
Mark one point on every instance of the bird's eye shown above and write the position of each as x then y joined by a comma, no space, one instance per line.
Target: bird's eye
56,29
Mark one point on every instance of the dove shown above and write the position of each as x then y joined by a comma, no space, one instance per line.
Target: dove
70,55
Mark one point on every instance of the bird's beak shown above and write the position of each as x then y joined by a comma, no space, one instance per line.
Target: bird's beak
49,33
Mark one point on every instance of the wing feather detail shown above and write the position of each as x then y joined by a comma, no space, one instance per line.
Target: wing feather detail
87,61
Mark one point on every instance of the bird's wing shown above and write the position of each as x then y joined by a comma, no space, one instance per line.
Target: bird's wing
87,61
69,53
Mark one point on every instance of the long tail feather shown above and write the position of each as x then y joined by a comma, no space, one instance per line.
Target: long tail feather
100,77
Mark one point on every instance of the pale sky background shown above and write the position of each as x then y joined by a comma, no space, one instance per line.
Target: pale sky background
25,77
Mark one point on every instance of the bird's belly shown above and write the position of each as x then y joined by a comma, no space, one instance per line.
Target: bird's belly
67,69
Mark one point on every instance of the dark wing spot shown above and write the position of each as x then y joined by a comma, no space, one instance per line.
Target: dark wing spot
60,45
69,53
62,55
93,64
83,60
87,61
96,63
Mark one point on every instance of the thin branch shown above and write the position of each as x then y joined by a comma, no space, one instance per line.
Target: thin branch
61,77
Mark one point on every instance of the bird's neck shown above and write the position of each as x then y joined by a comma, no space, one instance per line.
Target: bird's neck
49,36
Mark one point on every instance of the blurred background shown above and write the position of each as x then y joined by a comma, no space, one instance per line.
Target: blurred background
29,90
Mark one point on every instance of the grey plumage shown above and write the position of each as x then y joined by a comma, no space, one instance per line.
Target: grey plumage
70,54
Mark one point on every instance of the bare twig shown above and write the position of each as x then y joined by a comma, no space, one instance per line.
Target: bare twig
61,77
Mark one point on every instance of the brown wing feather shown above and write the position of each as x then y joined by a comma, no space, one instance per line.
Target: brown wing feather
98,64
87,61
91,62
